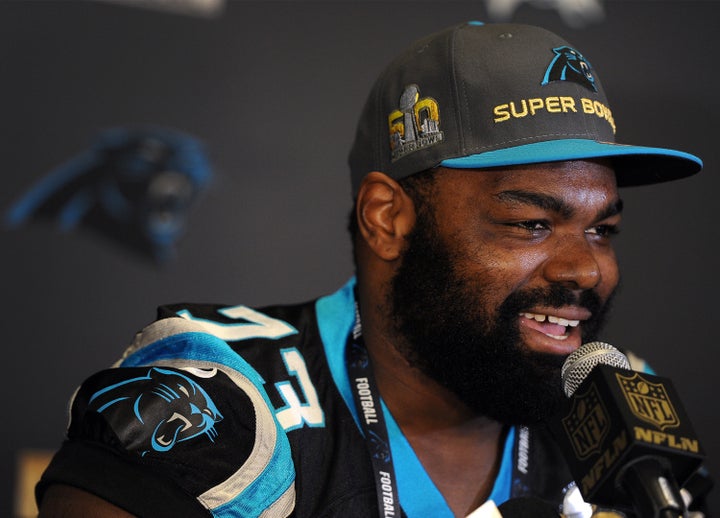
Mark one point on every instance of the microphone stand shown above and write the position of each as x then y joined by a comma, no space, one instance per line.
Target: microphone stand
652,488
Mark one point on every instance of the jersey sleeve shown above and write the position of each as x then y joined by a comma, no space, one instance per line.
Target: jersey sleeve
181,427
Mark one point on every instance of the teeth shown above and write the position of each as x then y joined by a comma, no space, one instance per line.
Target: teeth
563,337
563,321
552,319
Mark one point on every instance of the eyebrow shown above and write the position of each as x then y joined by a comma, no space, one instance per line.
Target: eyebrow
554,204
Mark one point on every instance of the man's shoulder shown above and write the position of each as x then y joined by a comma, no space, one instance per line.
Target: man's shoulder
241,323
238,337
238,315
185,414
209,388
270,338
244,325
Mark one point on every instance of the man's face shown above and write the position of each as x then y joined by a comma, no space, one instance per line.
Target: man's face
505,273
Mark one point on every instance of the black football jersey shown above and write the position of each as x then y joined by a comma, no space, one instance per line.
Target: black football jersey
230,411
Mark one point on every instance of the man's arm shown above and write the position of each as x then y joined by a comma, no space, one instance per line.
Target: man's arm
182,428
61,501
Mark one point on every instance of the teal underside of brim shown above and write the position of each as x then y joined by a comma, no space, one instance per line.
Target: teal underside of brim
572,149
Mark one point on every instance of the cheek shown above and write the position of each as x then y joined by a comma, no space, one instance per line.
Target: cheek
610,275
482,249
501,271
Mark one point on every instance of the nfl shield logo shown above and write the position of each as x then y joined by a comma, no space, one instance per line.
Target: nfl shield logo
648,401
587,423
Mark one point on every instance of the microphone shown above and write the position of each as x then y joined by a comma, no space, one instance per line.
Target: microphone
625,435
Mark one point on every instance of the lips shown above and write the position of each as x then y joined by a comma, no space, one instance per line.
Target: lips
553,331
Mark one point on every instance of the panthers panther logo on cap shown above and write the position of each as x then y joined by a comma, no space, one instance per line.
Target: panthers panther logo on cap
569,65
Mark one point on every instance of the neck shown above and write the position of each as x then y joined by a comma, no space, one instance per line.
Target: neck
419,404
460,450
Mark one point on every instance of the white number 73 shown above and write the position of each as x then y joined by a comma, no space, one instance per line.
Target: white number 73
294,414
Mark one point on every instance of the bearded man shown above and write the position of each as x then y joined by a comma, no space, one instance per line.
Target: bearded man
486,182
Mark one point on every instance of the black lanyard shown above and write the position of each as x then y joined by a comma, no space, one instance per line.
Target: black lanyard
372,420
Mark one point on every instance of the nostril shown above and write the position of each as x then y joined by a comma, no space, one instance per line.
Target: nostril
581,271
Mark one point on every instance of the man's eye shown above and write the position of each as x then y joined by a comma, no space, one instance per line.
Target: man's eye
604,230
532,225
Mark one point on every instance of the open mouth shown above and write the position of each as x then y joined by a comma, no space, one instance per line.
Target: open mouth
555,327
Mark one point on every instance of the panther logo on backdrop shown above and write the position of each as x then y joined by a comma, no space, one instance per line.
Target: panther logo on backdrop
134,186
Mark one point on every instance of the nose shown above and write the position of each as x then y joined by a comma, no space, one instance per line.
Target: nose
573,264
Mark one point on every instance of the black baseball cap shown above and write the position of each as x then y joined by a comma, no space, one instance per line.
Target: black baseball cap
481,95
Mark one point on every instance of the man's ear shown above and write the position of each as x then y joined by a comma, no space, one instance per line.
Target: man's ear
385,215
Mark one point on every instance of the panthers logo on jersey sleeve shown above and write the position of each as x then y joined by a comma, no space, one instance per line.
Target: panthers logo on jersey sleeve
161,408
184,402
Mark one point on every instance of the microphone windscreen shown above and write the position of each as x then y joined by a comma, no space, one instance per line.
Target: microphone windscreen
528,507
584,359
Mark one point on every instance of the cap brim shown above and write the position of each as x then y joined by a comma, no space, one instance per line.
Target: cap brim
634,165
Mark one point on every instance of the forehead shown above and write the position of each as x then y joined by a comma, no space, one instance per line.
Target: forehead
579,181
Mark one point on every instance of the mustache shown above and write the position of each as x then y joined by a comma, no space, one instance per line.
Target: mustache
554,296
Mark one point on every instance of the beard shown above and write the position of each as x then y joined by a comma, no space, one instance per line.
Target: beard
451,335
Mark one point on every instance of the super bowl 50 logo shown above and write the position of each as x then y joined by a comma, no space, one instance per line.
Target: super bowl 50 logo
648,401
415,124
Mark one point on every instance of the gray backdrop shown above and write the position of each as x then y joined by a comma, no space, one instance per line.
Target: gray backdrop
273,90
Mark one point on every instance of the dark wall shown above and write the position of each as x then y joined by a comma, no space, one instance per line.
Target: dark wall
273,90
